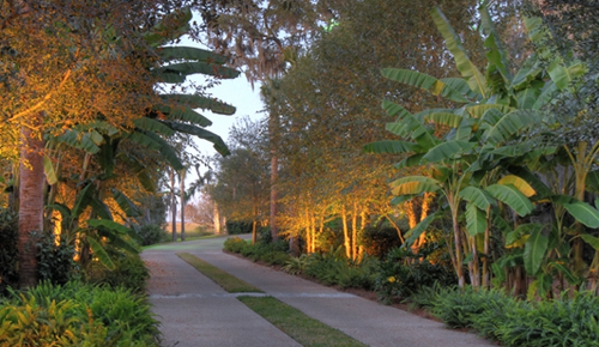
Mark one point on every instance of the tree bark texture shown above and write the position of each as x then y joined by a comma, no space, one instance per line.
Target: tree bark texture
31,204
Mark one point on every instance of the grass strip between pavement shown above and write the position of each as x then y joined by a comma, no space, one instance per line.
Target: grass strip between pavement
308,331
229,282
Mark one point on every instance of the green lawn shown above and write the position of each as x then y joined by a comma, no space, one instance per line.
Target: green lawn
229,282
308,331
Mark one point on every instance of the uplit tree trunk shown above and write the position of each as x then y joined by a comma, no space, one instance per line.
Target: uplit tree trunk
354,236
216,220
346,238
182,203
31,203
254,226
173,205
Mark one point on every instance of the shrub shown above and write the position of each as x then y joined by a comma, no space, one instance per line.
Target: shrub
151,234
236,228
548,323
130,272
54,262
76,315
8,249
402,276
379,241
334,269
462,308
561,322
235,244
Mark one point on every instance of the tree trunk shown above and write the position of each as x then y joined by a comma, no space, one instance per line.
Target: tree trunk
182,202
31,204
173,206
274,174
254,232
216,220
458,249
354,232
346,239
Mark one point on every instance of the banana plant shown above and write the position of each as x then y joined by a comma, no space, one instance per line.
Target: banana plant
493,109
100,140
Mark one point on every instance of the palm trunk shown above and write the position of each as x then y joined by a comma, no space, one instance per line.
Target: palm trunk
173,206
31,204
182,202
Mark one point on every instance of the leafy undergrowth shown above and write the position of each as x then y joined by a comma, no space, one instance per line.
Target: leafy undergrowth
308,331
76,314
561,322
229,282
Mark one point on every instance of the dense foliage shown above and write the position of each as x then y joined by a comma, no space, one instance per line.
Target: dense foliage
75,314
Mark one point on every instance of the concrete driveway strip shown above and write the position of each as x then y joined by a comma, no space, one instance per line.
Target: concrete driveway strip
374,324
194,311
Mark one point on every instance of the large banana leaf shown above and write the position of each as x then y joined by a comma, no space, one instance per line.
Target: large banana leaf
584,213
51,176
409,126
100,252
531,69
142,139
390,146
416,231
190,53
476,222
425,82
125,203
535,249
478,111
190,68
112,225
511,196
172,26
89,141
150,124
477,197
413,160
394,109
591,240
460,85
539,187
219,144
445,118
447,150
82,200
546,95
519,183
183,113
167,151
511,124
469,71
100,208
528,97
414,185
197,101
496,55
